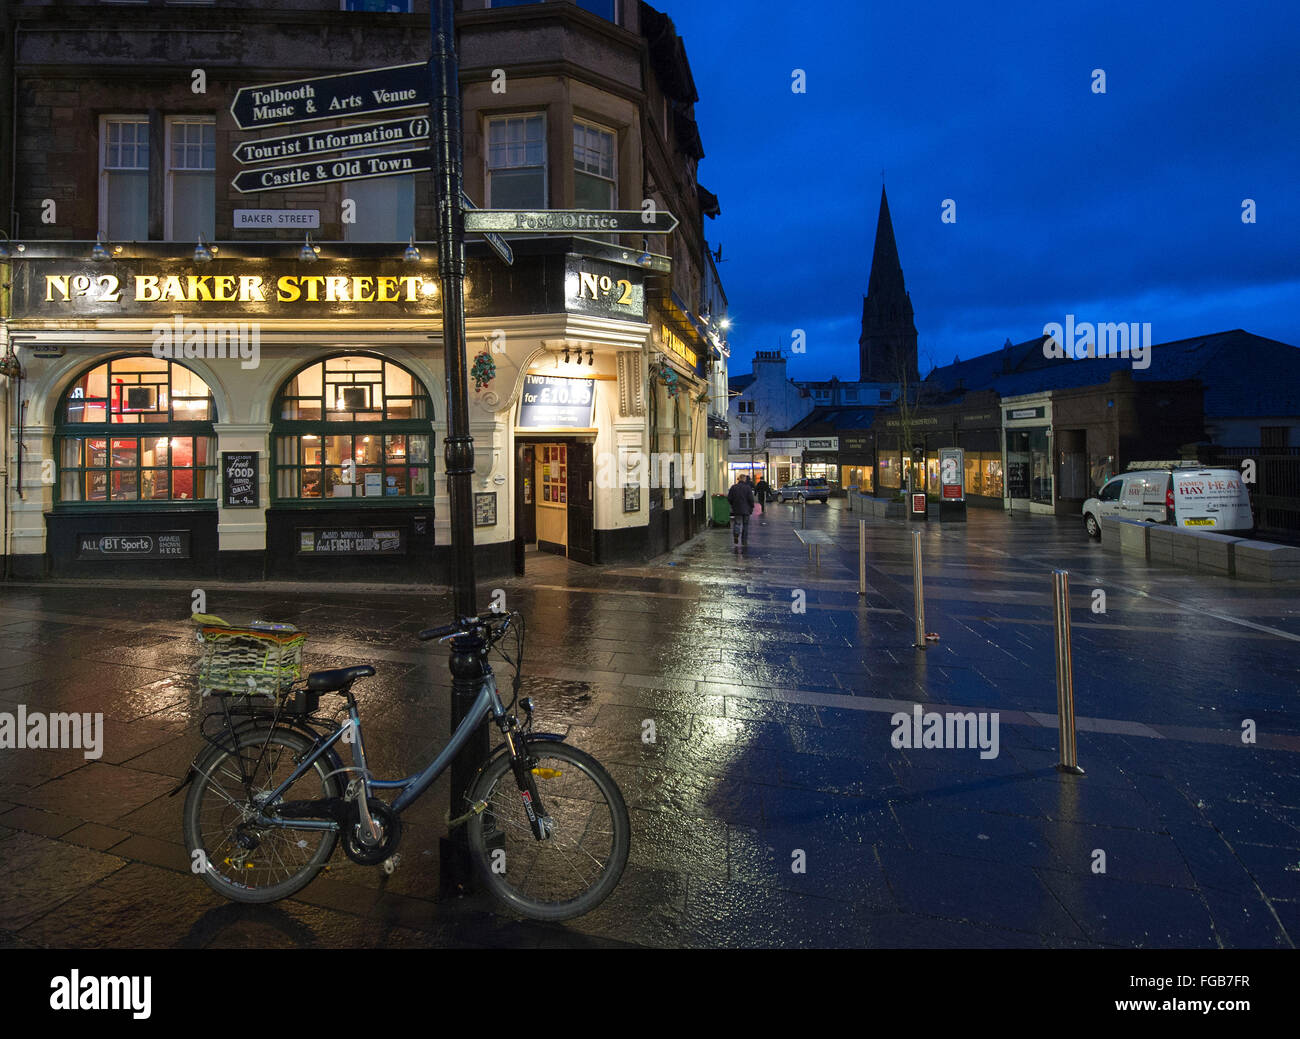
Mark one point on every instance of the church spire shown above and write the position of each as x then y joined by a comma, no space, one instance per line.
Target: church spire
887,346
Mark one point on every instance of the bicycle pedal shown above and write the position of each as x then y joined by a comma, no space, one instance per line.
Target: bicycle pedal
391,863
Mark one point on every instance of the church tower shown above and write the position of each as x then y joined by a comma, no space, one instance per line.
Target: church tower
887,346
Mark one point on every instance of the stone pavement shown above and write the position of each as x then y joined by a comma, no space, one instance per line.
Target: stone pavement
772,808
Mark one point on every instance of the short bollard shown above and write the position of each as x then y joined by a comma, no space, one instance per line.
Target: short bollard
920,594
862,557
803,513
1064,672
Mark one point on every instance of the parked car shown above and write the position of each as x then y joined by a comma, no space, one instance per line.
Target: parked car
813,488
1198,499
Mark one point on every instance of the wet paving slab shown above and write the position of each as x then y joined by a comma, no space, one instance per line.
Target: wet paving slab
747,705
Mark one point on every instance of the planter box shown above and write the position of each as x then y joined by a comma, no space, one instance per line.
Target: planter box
1161,542
1134,538
1213,551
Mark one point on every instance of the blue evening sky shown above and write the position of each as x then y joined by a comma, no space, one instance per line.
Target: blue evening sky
1123,206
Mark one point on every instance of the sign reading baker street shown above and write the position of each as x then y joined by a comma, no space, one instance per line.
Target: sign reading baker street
331,171
562,221
332,97
158,544
390,134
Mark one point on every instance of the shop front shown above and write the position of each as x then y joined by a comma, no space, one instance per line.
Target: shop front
1027,424
258,416
974,425
857,461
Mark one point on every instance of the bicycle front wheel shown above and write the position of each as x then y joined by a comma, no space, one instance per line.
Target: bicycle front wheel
579,864
237,859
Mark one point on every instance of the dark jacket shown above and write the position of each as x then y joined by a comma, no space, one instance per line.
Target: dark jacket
741,499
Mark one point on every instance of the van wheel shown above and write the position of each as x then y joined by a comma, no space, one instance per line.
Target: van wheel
1091,525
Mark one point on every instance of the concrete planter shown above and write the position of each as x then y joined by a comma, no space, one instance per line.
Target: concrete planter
1261,561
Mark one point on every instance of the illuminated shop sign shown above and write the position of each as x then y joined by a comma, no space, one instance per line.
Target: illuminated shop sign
673,344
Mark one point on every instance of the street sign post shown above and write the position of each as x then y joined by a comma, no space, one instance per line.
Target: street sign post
499,245
388,134
559,221
329,171
332,97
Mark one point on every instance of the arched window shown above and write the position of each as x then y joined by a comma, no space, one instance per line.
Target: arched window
136,429
353,426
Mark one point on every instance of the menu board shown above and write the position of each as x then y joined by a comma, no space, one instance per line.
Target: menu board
239,479
155,544
352,541
553,402
485,509
1018,479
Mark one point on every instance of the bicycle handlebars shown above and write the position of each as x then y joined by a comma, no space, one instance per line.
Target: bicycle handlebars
467,625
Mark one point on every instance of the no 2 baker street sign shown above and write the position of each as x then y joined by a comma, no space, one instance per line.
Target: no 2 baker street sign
332,97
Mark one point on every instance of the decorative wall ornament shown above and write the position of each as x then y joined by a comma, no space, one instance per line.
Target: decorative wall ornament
631,394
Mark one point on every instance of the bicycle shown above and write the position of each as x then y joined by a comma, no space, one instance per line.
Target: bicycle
267,803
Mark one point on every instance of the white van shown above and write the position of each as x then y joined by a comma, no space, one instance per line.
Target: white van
1198,499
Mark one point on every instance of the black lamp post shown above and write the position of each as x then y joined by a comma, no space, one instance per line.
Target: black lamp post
448,154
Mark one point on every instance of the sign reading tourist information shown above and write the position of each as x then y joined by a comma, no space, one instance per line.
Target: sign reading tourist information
353,541
569,221
332,97
239,470
413,130
552,402
330,171
156,544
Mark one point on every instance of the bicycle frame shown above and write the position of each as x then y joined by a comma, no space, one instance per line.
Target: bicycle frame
486,704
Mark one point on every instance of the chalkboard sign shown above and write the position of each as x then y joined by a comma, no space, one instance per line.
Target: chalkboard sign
1018,479
239,479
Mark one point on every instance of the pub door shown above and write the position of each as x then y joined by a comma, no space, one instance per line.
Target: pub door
581,504
525,503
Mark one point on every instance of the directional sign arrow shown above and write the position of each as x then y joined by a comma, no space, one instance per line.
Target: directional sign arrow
411,130
332,97
559,221
499,244
328,171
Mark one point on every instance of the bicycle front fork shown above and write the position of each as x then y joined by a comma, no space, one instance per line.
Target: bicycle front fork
522,765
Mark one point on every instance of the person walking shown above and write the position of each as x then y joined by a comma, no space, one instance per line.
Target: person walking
741,500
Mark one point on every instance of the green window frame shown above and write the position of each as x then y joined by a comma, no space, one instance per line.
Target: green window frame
352,429
135,430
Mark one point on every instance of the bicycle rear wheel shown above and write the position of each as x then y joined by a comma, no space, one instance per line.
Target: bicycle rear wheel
218,811
576,868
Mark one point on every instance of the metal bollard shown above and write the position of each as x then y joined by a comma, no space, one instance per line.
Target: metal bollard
919,592
803,513
1064,672
862,557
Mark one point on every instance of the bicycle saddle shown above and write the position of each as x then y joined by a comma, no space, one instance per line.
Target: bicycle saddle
337,678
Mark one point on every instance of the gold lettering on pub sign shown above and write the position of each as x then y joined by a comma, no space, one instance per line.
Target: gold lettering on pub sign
238,288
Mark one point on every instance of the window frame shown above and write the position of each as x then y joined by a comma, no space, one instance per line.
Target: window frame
139,118
287,439
109,431
590,124
488,119
170,171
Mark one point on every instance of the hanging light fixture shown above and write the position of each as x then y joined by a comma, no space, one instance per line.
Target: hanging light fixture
645,259
412,254
591,356
309,252
566,353
99,253
202,254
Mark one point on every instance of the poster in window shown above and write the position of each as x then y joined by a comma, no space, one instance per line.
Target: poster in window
546,492
485,509
564,495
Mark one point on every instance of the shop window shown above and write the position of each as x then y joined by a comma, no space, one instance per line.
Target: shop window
136,429
124,178
191,178
516,162
890,474
353,426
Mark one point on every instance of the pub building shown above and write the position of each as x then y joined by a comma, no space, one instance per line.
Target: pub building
258,414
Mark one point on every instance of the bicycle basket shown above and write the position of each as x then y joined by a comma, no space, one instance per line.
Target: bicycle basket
251,660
